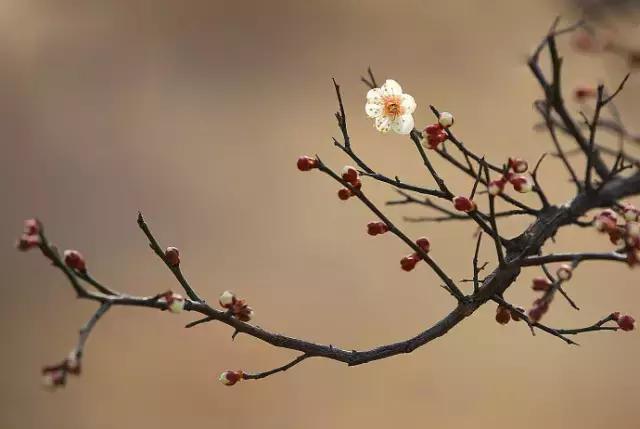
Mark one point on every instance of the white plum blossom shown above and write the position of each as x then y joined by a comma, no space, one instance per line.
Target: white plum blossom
391,109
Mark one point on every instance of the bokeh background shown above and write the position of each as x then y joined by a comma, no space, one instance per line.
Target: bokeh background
195,112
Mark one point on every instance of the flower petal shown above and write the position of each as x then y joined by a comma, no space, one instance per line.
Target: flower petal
383,124
373,110
374,95
403,124
391,87
408,103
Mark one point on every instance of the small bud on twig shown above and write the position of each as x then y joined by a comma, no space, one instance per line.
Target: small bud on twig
409,262
344,194
350,174
227,299
172,254
565,272
464,204
229,378
521,184
237,307
496,186
503,315
376,228
435,135
626,322
74,260
446,119
518,165
306,163
424,244
175,302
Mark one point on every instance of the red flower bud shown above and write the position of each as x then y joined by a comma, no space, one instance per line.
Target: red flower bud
229,378
344,194
464,204
516,314
496,186
626,322
74,260
350,174
521,184
306,163
172,255
540,284
424,244
433,129
518,165
409,262
536,314
31,227
582,92
375,228
27,242
433,140
503,315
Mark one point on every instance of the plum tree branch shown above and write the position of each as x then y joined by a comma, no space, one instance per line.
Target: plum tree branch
512,254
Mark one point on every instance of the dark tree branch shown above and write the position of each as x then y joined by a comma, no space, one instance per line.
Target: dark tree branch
513,254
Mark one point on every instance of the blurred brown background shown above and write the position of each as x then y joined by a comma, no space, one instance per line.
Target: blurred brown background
195,112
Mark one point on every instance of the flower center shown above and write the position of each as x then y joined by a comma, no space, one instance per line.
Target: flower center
392,106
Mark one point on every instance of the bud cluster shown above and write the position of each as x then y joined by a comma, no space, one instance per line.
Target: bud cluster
377,228
237,307
515,176
505,314
624,233
409,262
543,284
55,376
351,176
